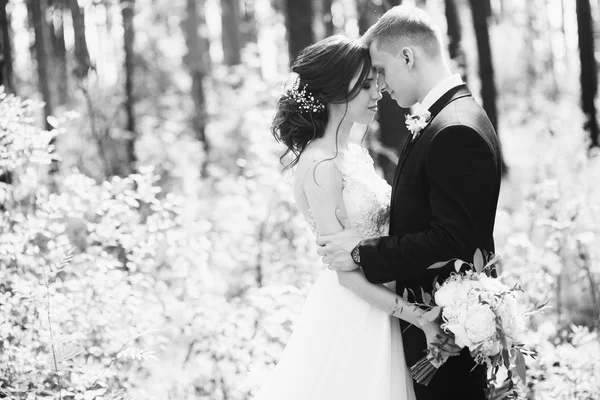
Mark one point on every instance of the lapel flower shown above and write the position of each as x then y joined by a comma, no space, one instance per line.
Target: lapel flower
418,120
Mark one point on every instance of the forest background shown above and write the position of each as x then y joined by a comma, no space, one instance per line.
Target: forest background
150,247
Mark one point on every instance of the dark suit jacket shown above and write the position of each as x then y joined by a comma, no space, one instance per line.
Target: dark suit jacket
443,206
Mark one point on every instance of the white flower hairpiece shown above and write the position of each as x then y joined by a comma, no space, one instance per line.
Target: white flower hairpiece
306,101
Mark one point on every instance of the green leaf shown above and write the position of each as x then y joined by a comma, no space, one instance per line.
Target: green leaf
412,292
439,264
458,265
506,358
478,261
493,261
520,366
427,299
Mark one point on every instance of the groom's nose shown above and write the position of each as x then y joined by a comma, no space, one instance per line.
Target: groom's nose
375,92
381,85
378,95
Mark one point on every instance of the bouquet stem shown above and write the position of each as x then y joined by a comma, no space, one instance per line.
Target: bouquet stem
424,370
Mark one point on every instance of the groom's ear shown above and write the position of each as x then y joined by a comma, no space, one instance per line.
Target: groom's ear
408,56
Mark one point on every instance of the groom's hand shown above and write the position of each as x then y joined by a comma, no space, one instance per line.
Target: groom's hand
335,249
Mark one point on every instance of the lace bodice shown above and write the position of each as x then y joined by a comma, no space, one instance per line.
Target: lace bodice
365,194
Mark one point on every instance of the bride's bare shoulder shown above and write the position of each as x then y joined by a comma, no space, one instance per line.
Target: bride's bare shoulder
318,164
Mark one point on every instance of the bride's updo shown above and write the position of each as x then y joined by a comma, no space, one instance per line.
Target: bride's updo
325,70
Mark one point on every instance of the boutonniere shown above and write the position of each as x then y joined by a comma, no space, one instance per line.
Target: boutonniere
417,121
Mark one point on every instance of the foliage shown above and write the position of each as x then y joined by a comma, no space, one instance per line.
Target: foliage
180,283
194,294
548,236
150,272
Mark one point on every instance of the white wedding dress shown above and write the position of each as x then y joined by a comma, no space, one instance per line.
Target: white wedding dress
342,347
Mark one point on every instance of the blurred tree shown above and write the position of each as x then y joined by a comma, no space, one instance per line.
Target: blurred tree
530,53
589,74
455,48
6,78
328,17
37,10
82,57
59,52
481,10
298,20
198,68
127,12
248,27
501,9
391,117
563,31
549,61
230,32
323,19
6,58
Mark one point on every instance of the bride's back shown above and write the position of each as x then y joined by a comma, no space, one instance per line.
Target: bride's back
316,175
347,181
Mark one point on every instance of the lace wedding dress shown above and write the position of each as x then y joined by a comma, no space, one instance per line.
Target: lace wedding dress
342,347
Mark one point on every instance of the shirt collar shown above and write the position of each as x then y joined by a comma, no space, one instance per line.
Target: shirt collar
440,89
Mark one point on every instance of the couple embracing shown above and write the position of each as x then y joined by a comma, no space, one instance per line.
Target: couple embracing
357,336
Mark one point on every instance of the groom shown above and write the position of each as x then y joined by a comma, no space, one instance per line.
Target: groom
444,194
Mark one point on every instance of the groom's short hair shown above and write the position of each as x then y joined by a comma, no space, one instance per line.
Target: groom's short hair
406,23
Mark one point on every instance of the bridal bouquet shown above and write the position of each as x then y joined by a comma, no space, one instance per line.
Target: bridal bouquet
480,313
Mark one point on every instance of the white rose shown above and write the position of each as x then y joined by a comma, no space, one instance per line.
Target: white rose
511,316
479,323
492,284
447,294
461,338
490,348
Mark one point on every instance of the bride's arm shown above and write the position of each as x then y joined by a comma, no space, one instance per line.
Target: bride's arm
381,297
322,186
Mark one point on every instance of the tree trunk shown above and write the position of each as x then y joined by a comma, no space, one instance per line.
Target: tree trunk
481,13
127,12
57,34
328,17
6,70
37,9
6,78
554,90
298,18
322,19
198,67
588,77
82,56
230,33
531,36
455,49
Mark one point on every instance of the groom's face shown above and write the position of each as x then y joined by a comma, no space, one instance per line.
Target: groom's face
393,73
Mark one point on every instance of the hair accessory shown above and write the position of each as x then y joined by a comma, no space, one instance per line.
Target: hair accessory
306,101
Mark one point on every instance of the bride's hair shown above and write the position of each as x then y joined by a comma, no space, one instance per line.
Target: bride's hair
325,69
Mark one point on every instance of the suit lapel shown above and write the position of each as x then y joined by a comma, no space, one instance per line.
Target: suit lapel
453,94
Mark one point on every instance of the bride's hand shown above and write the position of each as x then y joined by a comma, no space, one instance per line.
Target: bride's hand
440,345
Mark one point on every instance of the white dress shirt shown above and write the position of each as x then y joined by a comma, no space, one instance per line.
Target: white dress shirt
438,91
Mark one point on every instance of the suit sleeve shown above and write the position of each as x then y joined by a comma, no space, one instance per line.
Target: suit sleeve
462,172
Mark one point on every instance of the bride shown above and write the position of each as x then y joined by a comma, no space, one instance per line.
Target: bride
347,343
